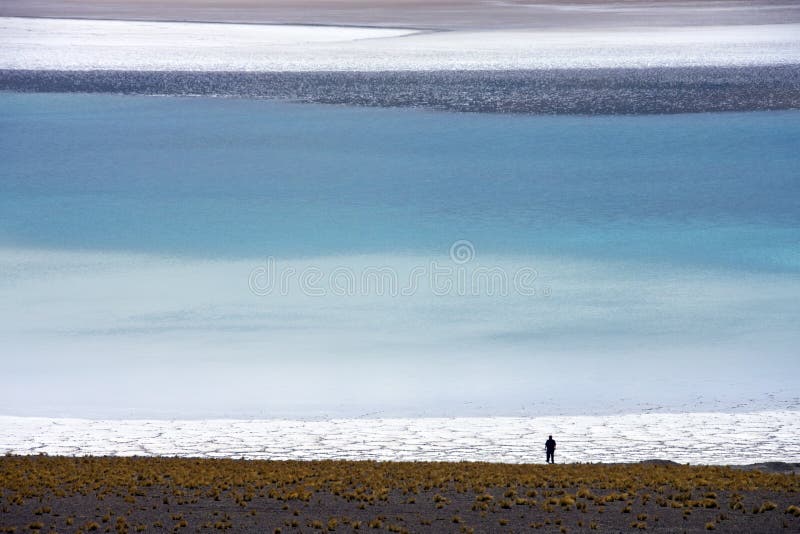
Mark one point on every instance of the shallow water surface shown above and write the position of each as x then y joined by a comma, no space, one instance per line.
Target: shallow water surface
222,257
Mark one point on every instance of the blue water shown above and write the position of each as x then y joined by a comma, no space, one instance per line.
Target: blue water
693,222
242,178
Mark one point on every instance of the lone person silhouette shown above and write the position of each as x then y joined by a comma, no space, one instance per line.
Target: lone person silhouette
550,449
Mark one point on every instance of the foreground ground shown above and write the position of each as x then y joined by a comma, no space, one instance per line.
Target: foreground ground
103,494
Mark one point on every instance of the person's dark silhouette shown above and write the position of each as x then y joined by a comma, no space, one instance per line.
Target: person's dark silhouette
550,449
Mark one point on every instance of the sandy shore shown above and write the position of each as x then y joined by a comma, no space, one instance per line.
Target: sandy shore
431,14
140,495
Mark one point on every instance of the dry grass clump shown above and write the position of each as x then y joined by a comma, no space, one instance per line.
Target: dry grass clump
767,506
566,501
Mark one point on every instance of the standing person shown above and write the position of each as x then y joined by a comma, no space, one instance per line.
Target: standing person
550,449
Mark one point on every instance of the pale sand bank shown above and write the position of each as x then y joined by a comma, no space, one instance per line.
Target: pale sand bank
431,14
50,44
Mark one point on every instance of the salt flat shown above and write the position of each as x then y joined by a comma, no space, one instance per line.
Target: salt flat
697,438
64,44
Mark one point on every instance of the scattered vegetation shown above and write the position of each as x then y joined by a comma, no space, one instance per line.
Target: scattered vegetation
393,496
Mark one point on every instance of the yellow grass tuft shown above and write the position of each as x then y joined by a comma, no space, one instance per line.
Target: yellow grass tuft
566,501
767,507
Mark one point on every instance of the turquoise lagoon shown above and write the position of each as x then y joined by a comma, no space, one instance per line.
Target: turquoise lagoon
201,257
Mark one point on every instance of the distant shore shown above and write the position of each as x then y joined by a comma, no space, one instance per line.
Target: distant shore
427,14
44,493
593,70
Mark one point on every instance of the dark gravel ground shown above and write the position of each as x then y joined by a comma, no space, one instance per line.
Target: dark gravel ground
568,91
158,509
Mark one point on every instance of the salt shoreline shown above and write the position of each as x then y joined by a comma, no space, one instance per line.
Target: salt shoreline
64,44
696,438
